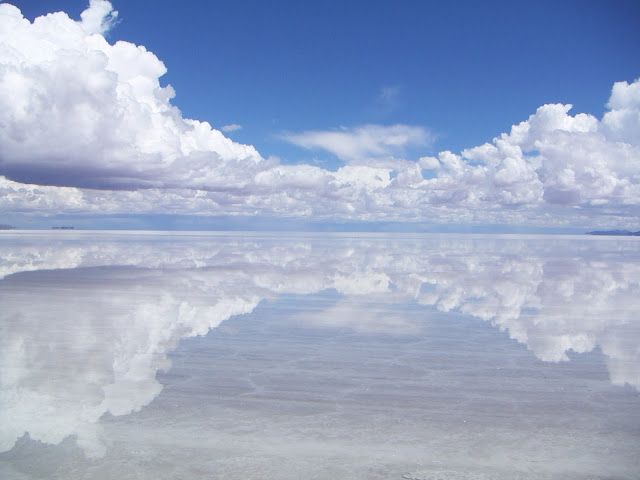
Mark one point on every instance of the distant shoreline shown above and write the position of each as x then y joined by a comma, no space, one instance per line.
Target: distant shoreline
619,233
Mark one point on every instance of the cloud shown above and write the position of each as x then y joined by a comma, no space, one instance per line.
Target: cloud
389,94
99,17
86,126
429,163
364,142
232,127
387,100
78,111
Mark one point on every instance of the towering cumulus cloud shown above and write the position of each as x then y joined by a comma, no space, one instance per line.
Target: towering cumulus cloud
86,126
78,111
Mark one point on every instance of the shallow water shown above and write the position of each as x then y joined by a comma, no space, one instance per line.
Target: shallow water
250,356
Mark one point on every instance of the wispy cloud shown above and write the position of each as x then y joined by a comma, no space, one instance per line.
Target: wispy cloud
232,127
363,142
388,99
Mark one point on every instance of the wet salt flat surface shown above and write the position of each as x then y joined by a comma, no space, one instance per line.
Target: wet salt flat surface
247,356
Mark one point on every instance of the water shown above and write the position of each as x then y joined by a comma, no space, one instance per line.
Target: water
250,356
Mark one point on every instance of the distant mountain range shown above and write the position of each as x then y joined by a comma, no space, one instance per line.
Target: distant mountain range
615,232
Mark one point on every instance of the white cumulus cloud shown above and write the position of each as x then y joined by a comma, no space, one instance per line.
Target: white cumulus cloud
86,126
78,111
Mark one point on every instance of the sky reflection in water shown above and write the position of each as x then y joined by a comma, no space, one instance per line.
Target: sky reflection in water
349,357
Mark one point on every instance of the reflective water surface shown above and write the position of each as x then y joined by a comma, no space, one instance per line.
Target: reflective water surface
247,356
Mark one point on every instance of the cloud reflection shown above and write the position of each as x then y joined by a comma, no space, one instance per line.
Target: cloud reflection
87,323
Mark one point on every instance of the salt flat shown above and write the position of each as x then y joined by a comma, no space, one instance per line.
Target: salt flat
236,355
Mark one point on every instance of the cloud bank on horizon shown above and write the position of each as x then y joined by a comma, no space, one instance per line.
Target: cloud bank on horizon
87,127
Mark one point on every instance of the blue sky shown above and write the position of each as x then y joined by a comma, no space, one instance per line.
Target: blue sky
467,70
372,105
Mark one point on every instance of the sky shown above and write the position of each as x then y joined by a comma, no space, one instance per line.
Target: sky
261,114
